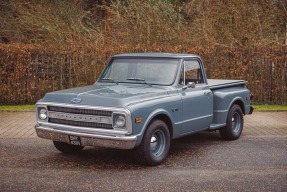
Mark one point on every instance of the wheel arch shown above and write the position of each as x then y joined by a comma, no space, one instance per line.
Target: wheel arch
160,115
240,103
167,120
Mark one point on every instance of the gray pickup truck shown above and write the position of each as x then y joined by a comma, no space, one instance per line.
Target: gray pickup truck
141,101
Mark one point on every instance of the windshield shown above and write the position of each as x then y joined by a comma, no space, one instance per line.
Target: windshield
149,71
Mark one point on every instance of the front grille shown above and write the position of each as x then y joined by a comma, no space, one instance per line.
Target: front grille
80,111
92,118
80,123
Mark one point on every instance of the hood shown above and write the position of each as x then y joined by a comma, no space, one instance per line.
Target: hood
107,95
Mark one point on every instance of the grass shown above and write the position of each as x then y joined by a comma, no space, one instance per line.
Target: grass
17,107
32,107
270,107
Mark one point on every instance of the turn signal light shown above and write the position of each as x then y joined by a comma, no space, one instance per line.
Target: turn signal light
138,120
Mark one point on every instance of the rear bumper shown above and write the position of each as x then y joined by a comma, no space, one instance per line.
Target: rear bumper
117,142
251,110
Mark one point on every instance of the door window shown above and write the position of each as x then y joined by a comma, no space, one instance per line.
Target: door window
191,72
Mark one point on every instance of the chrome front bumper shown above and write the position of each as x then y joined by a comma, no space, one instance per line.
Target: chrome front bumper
117,142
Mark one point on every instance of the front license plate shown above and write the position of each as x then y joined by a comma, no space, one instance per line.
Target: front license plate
75,140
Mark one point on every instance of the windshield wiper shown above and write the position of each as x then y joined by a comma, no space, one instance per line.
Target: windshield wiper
109,79
138,79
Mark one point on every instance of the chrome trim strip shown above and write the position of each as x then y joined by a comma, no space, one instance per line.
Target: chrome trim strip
80,117
113,109
220,111
123,137
123,142
202,117
216,126
89,130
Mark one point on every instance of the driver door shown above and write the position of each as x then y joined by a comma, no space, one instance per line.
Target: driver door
197,98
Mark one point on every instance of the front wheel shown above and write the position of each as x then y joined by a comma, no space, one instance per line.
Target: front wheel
155,145
67,148
234,124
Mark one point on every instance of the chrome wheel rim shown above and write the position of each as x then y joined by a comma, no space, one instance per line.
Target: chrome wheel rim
157,143
236,122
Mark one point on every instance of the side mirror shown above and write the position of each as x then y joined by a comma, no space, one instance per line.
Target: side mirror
191,85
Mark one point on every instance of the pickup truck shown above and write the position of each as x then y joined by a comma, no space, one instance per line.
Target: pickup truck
142,101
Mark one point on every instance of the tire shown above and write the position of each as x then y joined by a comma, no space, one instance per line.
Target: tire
155,144
67,148
234,124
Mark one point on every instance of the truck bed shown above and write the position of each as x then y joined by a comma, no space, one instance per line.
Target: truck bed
220,83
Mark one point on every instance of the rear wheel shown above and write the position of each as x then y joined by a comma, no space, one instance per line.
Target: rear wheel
155,145
67,148
234,124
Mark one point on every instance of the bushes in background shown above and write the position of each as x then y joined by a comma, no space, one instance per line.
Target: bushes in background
29,71
56,44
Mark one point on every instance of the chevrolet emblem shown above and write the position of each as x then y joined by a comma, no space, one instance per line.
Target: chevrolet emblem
76,100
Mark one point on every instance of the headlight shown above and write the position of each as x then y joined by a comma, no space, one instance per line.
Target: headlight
43,114
119,121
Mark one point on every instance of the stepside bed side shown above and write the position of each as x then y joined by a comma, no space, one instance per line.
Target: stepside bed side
224,98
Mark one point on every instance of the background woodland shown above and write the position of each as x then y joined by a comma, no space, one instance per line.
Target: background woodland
48,45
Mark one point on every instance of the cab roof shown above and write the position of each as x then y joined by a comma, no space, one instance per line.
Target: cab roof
158,55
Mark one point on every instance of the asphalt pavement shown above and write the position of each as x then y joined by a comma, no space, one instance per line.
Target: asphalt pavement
200,162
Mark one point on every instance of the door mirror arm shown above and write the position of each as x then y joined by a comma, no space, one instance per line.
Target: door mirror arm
191,85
